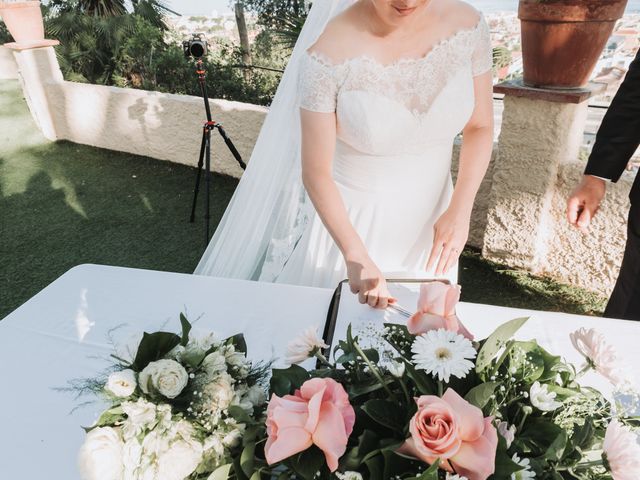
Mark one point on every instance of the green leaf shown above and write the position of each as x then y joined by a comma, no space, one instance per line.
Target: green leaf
557,447
238,342
424,383
285,381
505,466
152,347
239,414
496,341
481,394
368,442
221,473
186,328
356,391
430,473
246,459
386,413
307,463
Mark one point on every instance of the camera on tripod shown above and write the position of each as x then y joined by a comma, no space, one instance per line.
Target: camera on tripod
196,47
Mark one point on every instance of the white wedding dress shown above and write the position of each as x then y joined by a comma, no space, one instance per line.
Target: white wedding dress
396,125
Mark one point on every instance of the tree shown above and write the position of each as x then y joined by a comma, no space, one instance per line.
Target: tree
273,14
244,37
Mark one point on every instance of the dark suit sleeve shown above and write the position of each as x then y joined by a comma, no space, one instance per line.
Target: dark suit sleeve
619,134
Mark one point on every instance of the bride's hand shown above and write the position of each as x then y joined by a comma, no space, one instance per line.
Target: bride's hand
450,234
367,281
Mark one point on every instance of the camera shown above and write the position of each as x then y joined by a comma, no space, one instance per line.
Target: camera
197,46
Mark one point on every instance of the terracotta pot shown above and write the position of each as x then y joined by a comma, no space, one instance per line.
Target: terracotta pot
562,39
24,21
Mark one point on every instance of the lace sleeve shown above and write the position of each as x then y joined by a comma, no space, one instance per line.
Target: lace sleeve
318,86
482,57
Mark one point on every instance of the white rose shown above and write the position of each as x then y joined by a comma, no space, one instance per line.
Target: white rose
219,394
140,415
131,458
140,412
100,457
122,384
542,398
180,460
167,377
214,363
256,396
235,359
232,439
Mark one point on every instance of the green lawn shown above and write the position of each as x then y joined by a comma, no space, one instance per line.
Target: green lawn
63,204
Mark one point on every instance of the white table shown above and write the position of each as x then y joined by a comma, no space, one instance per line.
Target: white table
62,333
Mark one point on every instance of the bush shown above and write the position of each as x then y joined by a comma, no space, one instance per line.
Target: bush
5,36
132,51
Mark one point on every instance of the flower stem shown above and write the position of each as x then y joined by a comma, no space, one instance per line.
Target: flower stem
440,388
323,360
375,371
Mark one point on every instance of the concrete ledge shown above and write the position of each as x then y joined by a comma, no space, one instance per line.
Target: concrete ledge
8,66
517,88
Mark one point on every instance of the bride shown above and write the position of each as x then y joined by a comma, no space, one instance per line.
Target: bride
350,175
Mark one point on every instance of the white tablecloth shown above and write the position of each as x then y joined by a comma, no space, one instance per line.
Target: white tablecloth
63,333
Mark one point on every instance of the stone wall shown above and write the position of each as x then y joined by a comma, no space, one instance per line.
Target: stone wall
8,67
158,125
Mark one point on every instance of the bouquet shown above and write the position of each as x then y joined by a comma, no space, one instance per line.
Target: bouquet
437,404
177,409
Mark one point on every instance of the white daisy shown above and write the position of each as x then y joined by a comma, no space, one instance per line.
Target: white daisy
526,472
443,353
450,476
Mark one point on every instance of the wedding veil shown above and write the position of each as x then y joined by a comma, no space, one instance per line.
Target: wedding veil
268,210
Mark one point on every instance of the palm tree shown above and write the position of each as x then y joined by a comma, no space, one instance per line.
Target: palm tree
103,8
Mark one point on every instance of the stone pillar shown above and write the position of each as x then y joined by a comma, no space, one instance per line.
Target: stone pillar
541,129
37,68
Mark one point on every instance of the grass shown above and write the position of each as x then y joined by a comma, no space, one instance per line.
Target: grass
63,204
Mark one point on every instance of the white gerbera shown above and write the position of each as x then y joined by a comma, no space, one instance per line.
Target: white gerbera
443,353
621,452
304,346
526,472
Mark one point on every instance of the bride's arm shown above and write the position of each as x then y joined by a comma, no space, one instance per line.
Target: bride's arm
452,229
318,131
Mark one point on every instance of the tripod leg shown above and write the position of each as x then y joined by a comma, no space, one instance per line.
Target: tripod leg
197,187
207,173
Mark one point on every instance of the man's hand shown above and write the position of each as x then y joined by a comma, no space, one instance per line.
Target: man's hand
584,201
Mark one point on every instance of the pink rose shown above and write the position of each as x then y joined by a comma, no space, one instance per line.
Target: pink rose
453,430
319,413
437,309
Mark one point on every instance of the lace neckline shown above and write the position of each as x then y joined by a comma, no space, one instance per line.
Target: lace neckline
468,31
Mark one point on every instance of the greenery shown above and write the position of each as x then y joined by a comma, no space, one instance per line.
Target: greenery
57,200
5,36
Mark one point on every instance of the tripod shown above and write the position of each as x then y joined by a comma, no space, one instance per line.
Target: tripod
205,152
